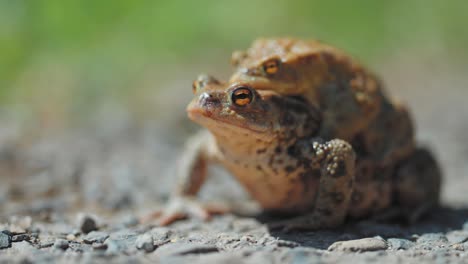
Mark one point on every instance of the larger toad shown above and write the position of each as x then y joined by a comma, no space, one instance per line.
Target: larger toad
306,130
348,95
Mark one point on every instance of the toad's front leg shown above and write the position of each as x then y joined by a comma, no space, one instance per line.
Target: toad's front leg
191,173
337,165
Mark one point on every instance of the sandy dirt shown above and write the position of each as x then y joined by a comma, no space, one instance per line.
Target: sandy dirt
75,195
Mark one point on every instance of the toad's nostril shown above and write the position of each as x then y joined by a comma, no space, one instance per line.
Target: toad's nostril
208,99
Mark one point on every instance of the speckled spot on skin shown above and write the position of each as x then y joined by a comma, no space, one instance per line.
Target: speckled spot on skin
289,169
278,150
260,151
293,151
356,198
324,211
340,169
374,205
337,197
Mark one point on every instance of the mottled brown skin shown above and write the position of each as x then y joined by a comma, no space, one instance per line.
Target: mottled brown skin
348,96
354,108
273,153
288,146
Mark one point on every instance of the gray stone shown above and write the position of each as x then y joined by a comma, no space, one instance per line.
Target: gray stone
130,221
61,244
459,236
5,240
23,247
180,248
145,242
360,245
99,246
46,242
21,237
79,247
431,238
114,246
301,255
399,243
87,223
465,226
121,241
160,234
20,225
95,237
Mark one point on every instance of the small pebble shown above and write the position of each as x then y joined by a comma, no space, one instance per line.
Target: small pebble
130,221
360,245
5,240
95,237
122,241
465,226
87,223
431,237
46,243
20,225
180,249
160,233
99,246
79,247
25,248
458,247
21,237
457,237
398,243
145,242
61,244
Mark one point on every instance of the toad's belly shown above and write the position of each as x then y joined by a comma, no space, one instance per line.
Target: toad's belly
278,190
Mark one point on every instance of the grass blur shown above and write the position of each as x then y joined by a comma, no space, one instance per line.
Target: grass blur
64,58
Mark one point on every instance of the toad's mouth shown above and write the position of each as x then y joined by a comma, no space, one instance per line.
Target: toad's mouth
212,120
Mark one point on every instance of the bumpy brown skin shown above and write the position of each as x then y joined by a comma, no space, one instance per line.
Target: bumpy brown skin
354,107
289,145
348,96
273,152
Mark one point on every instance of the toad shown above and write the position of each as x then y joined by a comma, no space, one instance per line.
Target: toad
307,131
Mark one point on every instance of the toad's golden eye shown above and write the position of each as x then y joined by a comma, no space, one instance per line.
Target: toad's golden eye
242,96
271,67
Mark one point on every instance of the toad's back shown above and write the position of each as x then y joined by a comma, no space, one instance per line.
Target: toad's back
351,99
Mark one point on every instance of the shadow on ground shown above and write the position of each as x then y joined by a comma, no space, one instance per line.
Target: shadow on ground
439,220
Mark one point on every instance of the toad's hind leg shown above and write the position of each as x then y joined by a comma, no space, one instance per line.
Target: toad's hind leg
417,184
337,165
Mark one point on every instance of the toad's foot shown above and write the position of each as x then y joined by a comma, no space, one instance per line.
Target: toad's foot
334,193
184,207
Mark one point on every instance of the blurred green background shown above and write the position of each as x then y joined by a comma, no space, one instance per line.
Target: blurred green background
62,59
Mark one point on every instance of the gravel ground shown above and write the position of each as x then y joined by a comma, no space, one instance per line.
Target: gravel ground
75,196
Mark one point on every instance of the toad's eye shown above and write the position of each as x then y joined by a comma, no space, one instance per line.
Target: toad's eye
242,96
271,67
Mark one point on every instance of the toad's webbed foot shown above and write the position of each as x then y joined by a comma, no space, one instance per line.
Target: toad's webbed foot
184,207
